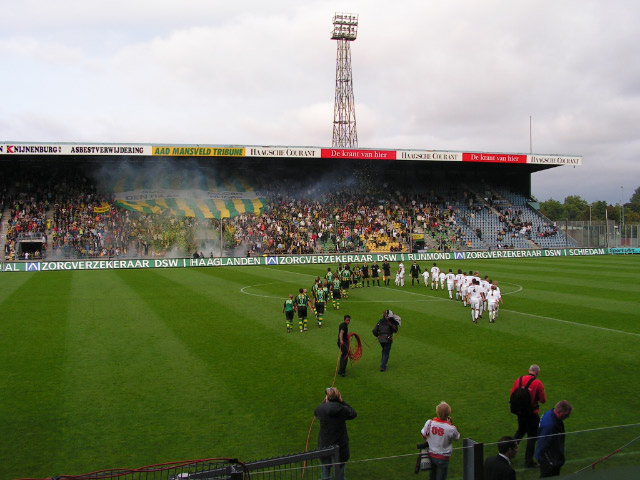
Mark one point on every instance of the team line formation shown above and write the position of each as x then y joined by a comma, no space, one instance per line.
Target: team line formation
480,294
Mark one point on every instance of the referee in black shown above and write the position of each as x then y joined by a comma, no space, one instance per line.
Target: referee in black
375,274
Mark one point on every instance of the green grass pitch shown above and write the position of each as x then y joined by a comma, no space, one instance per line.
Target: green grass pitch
126,368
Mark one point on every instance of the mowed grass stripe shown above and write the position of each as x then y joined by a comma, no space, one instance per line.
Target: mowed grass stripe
585,310
133,390
312,362
593,299
32,350
198,317
245,352
248,389
10,282
591,267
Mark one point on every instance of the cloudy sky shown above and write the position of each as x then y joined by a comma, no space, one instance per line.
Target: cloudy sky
428,74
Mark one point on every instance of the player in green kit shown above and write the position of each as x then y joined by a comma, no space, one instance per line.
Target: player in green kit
288,309
336,293
329,275
314,295
329,278
321,300
357,276
302,302
346,280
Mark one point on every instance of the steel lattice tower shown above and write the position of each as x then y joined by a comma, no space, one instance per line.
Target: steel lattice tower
345,31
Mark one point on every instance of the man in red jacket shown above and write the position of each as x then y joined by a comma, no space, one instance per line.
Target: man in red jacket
528,423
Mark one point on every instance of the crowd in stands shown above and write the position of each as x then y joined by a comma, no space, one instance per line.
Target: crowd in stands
340,221
75,219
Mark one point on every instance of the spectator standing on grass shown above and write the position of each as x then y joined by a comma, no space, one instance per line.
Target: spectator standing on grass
550,451
499,467
333,414
343,345
383,331
440,433
529,419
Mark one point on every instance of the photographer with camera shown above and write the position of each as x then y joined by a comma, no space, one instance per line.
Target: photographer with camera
384,330
333,413
440,434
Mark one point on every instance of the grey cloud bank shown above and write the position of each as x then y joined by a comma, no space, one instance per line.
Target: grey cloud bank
437,75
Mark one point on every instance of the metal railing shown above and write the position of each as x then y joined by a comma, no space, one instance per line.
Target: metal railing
307,465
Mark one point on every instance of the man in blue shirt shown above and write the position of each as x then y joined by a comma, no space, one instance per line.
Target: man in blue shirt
550,449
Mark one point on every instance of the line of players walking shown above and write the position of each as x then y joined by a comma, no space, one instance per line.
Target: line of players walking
332,288
481,294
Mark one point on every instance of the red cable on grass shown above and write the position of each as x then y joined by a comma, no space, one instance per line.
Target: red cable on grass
355,354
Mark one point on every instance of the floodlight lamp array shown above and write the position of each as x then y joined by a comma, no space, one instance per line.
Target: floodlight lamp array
345,26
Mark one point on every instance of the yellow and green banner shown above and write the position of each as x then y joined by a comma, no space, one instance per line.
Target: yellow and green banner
187,196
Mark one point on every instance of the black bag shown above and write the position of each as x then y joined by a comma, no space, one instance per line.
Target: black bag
521,399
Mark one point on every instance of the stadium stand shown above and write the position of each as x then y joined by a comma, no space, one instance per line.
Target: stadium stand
70,211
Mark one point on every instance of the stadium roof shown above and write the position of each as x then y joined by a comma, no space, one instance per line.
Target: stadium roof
534,160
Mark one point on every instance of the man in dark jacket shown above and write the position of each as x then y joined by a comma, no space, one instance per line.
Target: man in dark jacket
333,413
550,450
384,330
499,467
343,345
415,273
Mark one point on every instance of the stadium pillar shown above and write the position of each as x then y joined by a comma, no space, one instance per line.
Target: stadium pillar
221,236
472,459
589,234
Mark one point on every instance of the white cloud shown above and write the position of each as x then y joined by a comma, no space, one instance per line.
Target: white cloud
51,53
441,75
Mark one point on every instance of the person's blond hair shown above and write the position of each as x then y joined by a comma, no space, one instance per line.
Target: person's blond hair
333,394
443,410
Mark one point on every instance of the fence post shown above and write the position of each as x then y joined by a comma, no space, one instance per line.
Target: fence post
472,459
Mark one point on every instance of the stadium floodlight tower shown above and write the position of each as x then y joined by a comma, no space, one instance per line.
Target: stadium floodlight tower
345,31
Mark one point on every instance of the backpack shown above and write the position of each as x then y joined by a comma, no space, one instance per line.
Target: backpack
521,399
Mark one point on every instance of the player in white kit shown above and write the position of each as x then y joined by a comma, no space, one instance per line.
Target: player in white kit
485,287
492,301
476,297
464,289
441,277
459,280
495,284
435,271
425,275
451,283
400,276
